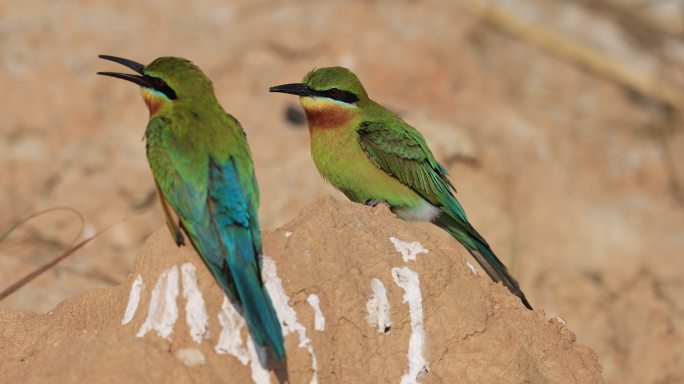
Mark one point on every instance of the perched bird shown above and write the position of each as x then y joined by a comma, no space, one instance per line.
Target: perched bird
373,156
203,169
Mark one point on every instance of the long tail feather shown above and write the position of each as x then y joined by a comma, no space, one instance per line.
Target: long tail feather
478,247
257,307
237,271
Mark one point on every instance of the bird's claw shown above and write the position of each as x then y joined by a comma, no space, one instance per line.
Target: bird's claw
374,202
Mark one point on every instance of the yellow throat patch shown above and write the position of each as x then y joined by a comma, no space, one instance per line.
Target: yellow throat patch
153,99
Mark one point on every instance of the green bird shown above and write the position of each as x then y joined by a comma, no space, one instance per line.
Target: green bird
203,169
373,156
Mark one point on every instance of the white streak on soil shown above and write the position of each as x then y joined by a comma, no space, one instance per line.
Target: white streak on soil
409,282
163,310
133,300
314,364
408,251
378,307
286,314
319,320
257,356
472,268
230,340
195,310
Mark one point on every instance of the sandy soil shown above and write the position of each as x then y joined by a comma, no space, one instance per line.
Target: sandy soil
574,180
432,318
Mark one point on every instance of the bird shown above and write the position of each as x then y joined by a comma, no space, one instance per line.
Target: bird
373,156
203,170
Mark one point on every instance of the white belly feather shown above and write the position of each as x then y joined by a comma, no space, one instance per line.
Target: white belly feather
427,212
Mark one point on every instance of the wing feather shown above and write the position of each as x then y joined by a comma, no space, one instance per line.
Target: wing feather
402,152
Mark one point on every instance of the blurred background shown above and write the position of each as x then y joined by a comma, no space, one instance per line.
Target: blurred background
560,122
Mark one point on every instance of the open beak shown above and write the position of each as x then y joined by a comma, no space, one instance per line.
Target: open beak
139,79
299,89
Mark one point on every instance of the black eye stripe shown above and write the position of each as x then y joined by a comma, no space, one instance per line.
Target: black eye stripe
338,94
161,86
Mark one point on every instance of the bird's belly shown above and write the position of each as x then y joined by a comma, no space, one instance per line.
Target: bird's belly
424,211
343,163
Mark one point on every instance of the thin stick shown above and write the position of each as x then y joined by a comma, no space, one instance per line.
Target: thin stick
19,223
581,55
28,278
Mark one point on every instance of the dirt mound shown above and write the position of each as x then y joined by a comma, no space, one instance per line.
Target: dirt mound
363,297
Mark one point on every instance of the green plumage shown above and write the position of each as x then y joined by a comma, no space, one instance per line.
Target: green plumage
203,168
373,156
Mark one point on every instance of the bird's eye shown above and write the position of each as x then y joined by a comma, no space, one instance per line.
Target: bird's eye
341,95
335,93
161,86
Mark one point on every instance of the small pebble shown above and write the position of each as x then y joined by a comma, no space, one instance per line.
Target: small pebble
191,357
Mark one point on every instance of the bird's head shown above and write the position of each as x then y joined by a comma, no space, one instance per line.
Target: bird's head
330,96
165,82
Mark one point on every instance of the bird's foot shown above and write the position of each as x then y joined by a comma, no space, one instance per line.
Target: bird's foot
380,204
180,240
374,203
178,234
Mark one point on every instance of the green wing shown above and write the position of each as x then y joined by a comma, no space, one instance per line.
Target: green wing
402,152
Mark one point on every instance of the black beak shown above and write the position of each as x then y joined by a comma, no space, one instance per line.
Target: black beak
299,89
140,79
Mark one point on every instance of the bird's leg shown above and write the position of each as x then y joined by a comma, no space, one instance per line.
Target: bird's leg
376,202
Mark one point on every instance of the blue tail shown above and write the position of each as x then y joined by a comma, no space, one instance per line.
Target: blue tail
257,308
477,246
226,235
233,260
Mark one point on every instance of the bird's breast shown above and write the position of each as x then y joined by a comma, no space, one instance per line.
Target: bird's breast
343,163
322,113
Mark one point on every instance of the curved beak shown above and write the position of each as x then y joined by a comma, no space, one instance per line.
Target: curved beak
299,89
139,79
